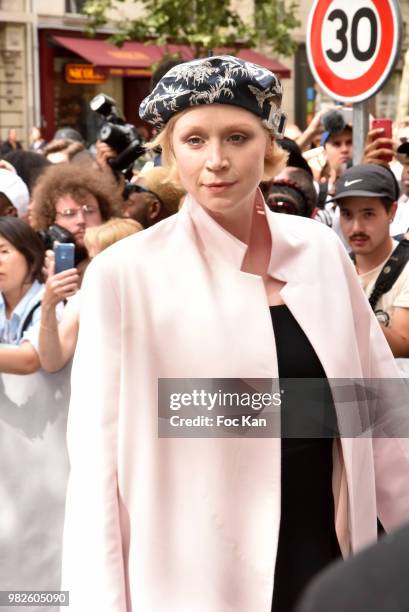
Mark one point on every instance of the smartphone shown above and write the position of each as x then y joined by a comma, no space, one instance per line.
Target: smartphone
64,256
386,125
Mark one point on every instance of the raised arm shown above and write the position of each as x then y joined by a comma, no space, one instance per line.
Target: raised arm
56,341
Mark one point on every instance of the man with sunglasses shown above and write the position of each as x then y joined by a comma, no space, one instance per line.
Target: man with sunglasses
152,197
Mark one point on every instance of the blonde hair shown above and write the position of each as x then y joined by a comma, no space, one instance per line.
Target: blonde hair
159,182
102,236
274,161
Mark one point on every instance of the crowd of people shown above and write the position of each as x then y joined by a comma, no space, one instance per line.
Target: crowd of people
60,194
165,304
60,199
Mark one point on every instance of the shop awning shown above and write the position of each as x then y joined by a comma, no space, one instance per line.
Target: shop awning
132,59
136,58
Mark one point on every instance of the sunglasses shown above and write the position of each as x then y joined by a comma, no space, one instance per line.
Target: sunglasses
135,188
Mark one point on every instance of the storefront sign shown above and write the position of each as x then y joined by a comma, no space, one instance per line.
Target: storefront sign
83,74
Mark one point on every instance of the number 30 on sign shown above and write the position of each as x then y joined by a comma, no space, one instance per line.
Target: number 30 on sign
352,46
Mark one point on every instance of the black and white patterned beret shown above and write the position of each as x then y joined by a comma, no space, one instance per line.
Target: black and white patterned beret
221,79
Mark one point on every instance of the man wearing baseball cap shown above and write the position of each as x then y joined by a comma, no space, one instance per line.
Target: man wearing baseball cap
367,195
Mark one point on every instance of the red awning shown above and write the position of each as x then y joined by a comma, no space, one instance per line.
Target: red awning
131,59
135,58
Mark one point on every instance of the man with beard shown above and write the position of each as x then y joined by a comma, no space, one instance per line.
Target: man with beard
74,197
70,198
367,195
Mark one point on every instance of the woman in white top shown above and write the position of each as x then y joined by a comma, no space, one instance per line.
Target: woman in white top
21,287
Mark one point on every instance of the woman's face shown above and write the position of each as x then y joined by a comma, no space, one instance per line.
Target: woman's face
220,151
13,268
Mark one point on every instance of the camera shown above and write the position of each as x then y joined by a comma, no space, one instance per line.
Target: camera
56,233
119,135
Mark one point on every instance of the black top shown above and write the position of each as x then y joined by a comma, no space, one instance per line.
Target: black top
307,539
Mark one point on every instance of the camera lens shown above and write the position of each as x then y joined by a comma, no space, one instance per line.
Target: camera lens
105,132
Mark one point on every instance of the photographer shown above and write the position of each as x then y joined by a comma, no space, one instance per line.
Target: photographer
70,198
119,144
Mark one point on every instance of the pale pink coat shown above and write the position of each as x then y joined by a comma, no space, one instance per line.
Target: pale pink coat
191,525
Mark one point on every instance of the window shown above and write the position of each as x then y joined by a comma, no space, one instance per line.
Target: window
74,6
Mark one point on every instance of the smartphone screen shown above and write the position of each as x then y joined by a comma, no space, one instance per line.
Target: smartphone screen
64,256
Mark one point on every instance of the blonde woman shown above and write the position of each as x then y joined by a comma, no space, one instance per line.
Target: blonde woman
57,339
205,519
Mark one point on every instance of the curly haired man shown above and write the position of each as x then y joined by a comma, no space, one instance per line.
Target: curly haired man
74,197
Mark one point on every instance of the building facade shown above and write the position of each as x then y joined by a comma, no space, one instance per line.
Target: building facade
48,73
17,65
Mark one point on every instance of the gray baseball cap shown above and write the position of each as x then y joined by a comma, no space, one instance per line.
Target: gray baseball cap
368,181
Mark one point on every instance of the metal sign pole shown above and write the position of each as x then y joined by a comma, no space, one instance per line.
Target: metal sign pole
360,129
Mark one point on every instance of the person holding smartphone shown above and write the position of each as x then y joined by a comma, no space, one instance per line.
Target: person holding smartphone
56,337
380,146
74,198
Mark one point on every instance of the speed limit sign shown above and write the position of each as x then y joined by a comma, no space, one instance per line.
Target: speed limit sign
352,46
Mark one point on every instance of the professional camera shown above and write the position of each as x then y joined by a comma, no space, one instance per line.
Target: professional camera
56,233
119,135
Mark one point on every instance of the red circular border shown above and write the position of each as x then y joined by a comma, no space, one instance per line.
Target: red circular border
352,87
